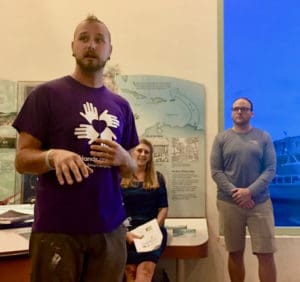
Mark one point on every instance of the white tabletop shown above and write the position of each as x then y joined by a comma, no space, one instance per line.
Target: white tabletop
15,240
197,233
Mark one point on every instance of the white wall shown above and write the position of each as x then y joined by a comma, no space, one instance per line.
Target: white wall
158,37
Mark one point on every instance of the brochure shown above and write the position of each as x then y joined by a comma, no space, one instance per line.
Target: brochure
13,216
151,236
181,230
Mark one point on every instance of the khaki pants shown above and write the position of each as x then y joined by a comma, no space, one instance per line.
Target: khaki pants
260,223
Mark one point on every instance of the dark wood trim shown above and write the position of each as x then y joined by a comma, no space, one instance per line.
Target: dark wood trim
186,252
15,268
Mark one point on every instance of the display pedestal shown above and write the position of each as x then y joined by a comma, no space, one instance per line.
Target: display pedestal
189,245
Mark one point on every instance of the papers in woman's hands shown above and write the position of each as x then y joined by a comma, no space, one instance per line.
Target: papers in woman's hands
151,236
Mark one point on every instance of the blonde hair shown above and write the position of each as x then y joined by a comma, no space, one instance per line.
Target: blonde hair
93,19
151,180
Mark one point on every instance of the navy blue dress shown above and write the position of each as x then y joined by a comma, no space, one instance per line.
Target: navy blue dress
142,205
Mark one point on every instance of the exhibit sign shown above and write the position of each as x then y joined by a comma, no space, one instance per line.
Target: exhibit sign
170,113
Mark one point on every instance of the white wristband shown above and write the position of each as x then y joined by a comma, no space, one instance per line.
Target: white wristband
50,167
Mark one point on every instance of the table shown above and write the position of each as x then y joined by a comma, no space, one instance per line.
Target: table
14,255
14,249
15,268
187,239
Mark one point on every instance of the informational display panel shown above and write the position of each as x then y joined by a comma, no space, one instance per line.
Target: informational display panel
170,113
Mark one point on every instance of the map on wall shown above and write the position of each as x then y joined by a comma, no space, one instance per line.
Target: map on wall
170,113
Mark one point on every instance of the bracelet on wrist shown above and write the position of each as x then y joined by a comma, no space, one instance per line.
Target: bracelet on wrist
47,162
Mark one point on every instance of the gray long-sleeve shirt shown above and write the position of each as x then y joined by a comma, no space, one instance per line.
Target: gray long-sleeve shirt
243,160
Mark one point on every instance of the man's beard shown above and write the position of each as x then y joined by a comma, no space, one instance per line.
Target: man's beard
241,122
90,67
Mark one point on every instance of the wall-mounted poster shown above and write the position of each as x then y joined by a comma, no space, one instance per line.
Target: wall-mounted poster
170,113
8,110
24,89
28,181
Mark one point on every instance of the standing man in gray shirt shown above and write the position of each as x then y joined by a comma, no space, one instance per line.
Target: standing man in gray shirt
243,163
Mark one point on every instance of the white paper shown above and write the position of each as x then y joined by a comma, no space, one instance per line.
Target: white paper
12,242
152,236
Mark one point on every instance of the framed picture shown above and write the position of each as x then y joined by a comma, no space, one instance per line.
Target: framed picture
8,111
8,137
28,182
24,89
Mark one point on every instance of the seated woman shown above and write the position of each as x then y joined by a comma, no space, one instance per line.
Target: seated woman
145,198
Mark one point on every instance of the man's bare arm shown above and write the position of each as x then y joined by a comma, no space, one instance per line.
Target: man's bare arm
31,159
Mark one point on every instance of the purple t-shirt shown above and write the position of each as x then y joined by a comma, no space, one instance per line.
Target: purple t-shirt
64,114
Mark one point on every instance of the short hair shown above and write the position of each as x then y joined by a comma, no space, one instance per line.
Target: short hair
93,19
246,99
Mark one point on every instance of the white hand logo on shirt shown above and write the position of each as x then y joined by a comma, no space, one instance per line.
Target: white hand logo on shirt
88,131
111,120
108,134
91,113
